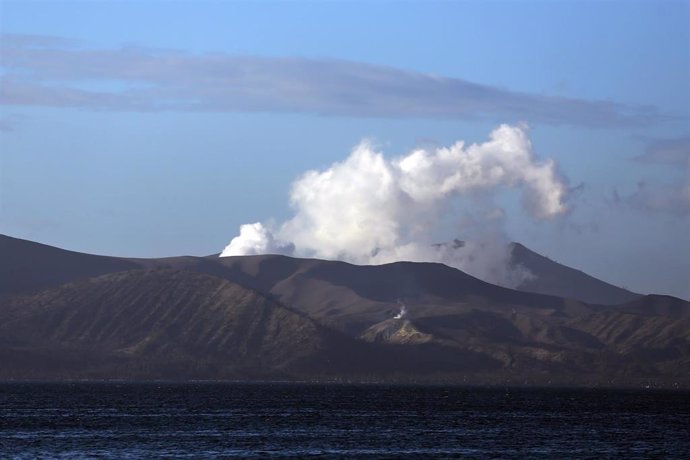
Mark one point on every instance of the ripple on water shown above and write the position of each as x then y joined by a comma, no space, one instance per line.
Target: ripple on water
260,420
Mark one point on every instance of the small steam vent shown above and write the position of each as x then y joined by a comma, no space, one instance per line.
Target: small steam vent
401,314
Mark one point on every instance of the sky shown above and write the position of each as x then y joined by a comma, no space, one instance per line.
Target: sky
159,128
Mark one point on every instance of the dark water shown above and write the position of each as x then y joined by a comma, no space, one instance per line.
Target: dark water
224,420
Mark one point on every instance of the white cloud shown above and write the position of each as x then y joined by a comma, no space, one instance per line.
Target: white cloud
369,209
255,239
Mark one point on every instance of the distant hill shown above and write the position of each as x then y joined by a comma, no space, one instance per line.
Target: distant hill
658,305
163,324
351,296
67,315
175,324
26,266
555,279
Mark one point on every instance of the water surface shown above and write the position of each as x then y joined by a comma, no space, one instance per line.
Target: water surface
165,420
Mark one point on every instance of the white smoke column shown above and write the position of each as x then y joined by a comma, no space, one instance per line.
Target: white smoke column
371,210
256,239
402,313
507,159
487,257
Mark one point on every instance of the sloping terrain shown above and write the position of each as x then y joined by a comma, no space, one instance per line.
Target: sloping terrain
276,317
553,278
165,323
175,324
396,331
26,266
657,305
352,297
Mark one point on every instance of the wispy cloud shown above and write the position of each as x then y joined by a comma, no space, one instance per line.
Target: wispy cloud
673,198
10,121
669,151
56,72
6,124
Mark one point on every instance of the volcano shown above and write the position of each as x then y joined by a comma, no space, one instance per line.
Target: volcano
66,315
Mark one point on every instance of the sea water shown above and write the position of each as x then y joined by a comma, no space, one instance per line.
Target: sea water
196,420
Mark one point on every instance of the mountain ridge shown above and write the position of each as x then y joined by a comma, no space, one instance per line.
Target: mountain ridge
275,317
557,279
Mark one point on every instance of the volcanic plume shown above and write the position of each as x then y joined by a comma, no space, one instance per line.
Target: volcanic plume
370,209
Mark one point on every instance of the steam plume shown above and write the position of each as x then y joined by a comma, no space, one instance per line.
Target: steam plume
371,210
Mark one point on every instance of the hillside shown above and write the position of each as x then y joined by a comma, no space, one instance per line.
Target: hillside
351,297
553,278
276,317
26,266
161,324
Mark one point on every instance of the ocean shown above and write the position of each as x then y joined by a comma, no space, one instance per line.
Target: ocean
211,420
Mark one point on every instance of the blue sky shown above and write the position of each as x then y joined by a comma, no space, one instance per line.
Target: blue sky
120,133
